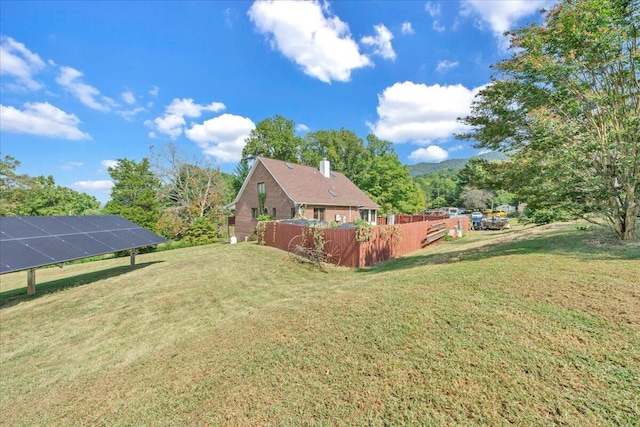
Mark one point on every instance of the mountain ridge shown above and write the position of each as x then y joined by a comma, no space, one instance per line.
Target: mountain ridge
424,168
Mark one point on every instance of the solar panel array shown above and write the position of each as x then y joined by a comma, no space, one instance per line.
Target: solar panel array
34,241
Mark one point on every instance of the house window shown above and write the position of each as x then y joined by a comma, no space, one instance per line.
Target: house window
254,213
293,212
261,189
273,213
318,213
368,215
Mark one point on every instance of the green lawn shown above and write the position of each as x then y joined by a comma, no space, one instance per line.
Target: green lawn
533,326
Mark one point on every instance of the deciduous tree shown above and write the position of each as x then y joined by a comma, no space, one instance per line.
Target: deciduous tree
25,195
274,138
567,105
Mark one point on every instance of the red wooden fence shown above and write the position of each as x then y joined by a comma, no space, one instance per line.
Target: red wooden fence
385,242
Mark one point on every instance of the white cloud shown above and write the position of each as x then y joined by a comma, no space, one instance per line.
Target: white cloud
503,15
69,166
446,65
130,114
302,128
18,61
128,97
97,185
71,80
42,119
419,113
432,153
435,11
311,36
154,91
109,164
381,42
222,137
407,28
186,107
172,123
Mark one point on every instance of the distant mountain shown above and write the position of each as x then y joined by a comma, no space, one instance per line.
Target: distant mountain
453,164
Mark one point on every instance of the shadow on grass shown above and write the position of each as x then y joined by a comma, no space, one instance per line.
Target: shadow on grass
16,296
584,245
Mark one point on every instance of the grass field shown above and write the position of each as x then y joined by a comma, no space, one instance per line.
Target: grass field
533,326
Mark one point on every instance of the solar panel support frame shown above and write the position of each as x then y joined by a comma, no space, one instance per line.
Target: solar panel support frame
118,225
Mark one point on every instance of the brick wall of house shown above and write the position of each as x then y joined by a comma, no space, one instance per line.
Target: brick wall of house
330,213
276,198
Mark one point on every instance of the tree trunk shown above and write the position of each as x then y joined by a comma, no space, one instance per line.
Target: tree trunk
630,229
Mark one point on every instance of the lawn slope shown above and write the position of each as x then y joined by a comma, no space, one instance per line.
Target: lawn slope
528,327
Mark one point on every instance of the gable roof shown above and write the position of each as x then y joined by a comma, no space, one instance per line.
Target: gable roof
305,185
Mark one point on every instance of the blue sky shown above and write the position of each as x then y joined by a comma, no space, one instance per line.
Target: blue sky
85,83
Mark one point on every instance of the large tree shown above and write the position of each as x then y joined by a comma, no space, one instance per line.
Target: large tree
567,105
135,193
387,180
193,192
343,148
274,138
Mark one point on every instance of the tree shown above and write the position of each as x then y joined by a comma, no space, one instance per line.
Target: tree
440,188
476,199
274,138
193,191
135,193
567,104
34,196
240,173
343,148
387,180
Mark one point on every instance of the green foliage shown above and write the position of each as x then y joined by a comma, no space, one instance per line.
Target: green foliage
240,173
343,148
566,105
387,180
274,138
193,191
134,194
363,230
262,198
440,188
24,195
202,231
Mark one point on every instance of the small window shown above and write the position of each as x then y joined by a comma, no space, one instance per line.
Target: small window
293,212
273,213
318,213
254,213
333,193
261,189
288,165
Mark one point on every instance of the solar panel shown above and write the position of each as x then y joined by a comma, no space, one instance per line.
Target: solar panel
33,241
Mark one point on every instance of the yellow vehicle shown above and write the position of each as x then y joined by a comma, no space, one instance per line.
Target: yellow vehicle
497,213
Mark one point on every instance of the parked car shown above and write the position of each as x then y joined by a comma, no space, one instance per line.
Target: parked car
476,220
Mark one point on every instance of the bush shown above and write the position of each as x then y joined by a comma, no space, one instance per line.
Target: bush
202,231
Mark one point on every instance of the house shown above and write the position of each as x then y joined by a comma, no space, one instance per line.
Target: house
291,190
